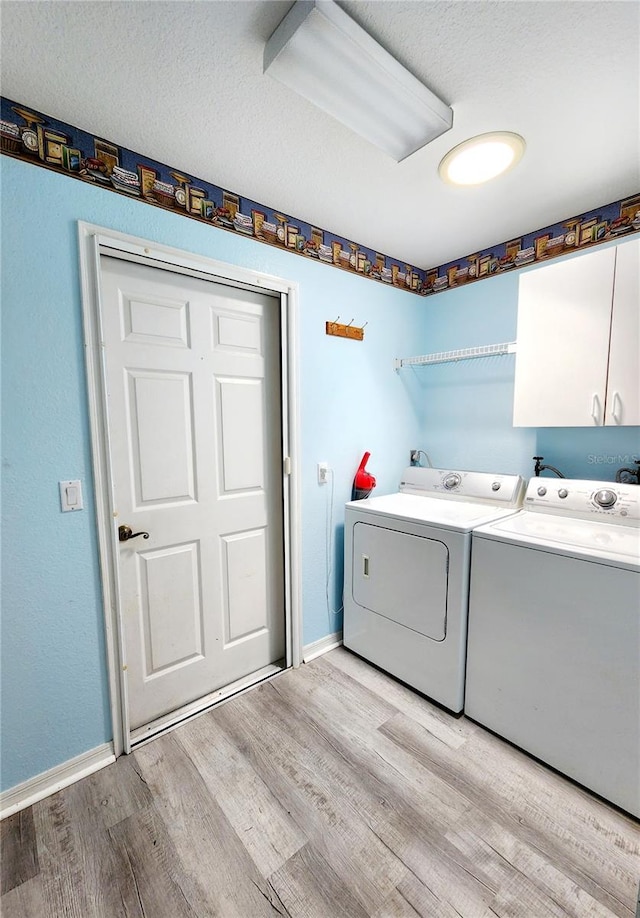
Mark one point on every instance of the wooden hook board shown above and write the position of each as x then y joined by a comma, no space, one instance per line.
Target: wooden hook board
345,331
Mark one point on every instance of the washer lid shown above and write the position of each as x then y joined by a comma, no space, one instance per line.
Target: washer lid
592,540
458,515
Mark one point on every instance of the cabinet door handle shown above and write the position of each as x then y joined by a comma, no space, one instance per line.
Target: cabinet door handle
365,566
617,404
595,409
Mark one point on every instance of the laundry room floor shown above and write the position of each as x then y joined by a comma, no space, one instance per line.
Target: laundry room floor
331,790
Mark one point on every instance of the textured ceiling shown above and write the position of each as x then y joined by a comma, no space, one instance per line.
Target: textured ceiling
182,82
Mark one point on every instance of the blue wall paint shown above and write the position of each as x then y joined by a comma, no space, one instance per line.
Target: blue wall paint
54,704
468,406
54,688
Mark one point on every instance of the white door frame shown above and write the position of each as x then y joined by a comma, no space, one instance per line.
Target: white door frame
94,240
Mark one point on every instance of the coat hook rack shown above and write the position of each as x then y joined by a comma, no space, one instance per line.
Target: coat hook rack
355,332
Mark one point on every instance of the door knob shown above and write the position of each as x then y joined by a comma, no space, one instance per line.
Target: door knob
125,533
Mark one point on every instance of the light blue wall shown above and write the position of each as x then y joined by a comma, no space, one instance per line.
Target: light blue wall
54,687
468,406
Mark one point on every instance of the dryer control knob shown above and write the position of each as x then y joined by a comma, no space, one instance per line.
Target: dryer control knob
605,498
542,492
563,492
495,486
452,481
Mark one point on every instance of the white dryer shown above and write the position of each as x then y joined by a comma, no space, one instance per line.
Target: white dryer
407,574
553,660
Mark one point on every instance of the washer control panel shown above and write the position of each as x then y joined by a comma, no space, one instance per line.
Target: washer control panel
588,499
500,490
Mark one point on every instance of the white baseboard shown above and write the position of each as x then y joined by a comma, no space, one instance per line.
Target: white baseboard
23,795
317,648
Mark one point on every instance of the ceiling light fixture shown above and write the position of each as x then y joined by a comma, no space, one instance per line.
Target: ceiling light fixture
321,53
482,158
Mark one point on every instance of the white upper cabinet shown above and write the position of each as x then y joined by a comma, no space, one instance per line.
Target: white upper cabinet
578,341
623,386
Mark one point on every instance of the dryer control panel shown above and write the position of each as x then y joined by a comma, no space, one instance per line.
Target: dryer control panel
501,490
601,500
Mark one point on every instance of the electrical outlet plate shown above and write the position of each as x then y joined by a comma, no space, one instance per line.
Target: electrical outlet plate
323,472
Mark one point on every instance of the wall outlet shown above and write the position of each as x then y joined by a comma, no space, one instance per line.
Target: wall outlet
323,472
414,457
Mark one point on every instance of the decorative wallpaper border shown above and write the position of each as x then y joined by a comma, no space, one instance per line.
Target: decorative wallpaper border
584,231
44,141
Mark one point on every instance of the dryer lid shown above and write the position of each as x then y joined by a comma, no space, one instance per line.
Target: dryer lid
457,515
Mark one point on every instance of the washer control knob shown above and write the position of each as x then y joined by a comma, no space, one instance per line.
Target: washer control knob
563,493
495,486
606,498
452,481
542,491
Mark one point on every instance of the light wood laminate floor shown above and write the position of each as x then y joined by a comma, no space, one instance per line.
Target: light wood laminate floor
330,791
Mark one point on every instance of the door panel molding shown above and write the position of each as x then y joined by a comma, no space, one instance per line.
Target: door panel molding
95,241
176,483
163,580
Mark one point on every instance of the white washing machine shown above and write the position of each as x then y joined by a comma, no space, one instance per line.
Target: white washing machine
407,574
553,661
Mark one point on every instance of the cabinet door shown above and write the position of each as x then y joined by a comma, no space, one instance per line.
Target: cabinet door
623,387
564,314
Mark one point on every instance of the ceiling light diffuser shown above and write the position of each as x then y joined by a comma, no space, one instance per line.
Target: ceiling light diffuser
482,158
321,53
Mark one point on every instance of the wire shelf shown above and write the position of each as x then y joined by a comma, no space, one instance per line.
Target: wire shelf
467,353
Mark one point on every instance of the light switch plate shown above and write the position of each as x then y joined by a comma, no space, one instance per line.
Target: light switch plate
71,495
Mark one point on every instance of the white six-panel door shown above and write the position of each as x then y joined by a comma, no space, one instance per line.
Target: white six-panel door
194,413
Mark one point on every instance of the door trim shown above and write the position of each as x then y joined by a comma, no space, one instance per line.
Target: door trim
94,241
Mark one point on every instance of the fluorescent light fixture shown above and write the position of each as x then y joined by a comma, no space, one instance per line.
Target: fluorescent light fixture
324,55
482,158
